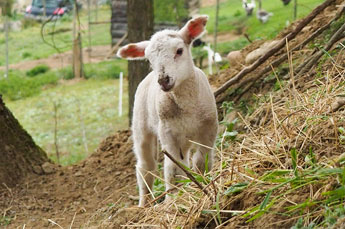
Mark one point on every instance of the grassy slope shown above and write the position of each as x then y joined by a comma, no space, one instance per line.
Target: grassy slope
98,101
232,17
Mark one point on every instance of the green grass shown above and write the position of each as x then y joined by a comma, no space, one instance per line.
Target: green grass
28,44
232,17
90,103
22,84
18,85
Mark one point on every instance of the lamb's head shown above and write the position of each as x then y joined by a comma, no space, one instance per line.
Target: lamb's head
168,52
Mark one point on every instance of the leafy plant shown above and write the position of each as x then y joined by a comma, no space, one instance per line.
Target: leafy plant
39,69
5,220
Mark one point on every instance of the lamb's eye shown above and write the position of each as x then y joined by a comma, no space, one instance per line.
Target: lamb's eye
179,51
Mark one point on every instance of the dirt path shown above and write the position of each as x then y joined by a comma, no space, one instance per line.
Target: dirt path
98,54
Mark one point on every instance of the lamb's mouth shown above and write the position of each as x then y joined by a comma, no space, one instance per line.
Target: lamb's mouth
166,83
166,87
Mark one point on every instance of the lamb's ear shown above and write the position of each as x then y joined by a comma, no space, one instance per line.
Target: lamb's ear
133,51
194,28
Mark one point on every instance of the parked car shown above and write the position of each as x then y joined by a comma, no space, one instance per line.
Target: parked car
53,8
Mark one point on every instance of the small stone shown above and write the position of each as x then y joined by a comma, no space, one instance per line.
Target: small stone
38,170
48,168
78,174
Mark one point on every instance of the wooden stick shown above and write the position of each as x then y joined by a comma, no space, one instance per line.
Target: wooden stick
335,38
276,48
117,45
189,175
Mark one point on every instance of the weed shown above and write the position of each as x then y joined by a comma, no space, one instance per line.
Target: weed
5,220
17,86
227,106
39,69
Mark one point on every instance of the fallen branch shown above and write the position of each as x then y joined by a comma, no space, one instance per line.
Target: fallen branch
116,46
310,63
189,175
276,48
248,83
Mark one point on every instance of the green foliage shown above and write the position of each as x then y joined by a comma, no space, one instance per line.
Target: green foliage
29,23
236,188
286,181
245,107
170,11
103,70
26,55
332,215
300,225
66,73
17,86
226,47
294,161
39,69
227,106
6,7
5,220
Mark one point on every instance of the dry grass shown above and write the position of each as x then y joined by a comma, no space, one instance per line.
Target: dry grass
278,169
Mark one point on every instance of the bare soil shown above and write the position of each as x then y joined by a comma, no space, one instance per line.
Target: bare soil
76,195
97,54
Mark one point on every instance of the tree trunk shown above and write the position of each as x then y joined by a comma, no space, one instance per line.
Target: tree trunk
19,155
140,27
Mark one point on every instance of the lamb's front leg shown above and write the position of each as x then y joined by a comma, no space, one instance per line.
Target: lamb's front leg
178,148
207,137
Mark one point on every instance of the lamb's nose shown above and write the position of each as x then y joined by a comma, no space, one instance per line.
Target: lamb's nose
165,83
164,80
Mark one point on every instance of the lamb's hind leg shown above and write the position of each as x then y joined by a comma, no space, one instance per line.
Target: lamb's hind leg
145,151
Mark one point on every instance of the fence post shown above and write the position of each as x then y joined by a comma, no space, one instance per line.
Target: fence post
120,94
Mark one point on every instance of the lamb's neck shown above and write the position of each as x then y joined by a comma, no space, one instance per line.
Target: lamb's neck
188,90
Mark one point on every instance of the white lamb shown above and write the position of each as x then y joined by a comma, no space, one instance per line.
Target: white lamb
174,103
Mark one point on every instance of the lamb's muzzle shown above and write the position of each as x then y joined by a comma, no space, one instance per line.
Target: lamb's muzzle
166,83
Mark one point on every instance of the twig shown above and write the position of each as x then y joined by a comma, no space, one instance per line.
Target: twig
51,221
189,175
247,37
116,46
276,48
70,227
